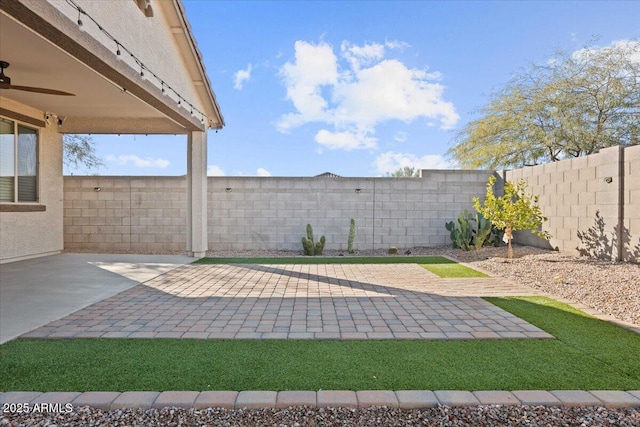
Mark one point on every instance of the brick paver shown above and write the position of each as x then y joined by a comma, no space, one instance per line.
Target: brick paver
368,398
537,397
404,399
616,398
180,399
329,301
96,399
416,399
135,399
216,399
256,399
496,397
456,398
337,398
289,398
576,398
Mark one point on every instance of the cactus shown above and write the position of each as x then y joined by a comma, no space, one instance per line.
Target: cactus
320,245
310,247
469,232
482,231
352,235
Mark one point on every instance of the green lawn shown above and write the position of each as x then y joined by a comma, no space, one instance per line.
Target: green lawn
441,266
587,354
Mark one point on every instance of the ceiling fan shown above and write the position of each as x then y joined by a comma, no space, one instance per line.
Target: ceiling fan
5,83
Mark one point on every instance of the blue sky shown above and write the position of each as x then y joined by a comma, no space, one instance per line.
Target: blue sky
359,88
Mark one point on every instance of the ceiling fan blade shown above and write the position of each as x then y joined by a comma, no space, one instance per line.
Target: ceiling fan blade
35,89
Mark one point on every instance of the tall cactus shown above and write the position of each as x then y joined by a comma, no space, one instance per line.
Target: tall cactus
310,247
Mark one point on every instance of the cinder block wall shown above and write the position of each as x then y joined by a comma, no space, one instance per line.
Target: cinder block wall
272,213
631,192
148,214
141,214
593,203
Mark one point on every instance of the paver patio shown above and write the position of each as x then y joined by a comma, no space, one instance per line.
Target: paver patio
325,301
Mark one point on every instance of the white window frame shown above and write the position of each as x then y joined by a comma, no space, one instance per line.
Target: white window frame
17,123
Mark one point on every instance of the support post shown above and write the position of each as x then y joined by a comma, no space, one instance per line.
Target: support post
197,242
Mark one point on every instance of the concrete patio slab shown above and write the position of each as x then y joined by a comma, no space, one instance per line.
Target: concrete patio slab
37,291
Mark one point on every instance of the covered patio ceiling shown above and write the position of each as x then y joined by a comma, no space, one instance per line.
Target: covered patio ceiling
100,105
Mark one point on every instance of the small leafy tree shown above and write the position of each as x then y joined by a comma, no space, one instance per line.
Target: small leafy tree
515,210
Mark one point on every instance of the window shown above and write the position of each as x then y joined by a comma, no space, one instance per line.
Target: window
18,162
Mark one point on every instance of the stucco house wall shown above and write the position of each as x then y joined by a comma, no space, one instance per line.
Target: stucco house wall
31,234
156,85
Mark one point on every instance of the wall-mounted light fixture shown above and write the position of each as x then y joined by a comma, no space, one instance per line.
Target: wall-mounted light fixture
228,189
608,180
97,189
358,190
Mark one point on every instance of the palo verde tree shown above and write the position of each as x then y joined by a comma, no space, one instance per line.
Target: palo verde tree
79,150
574,105
515,210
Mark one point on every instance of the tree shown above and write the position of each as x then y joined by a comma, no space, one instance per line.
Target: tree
405,172
79,150
575,105
515,210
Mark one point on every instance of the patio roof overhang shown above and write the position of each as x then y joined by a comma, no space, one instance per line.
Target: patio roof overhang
47,49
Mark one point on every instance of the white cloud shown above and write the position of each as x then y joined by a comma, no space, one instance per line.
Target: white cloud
400,137
390,162
147,162
315,66
241,76
631,47
215,170
263,172
346,140
359,90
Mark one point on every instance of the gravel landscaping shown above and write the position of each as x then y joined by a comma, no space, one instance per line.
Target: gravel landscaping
477,416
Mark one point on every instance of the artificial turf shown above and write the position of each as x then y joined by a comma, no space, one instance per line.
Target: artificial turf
586,354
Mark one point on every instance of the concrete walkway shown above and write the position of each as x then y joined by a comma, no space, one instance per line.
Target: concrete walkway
404,399
38,291
328,301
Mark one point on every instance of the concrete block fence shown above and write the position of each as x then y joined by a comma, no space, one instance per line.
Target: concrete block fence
149,213
593,205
